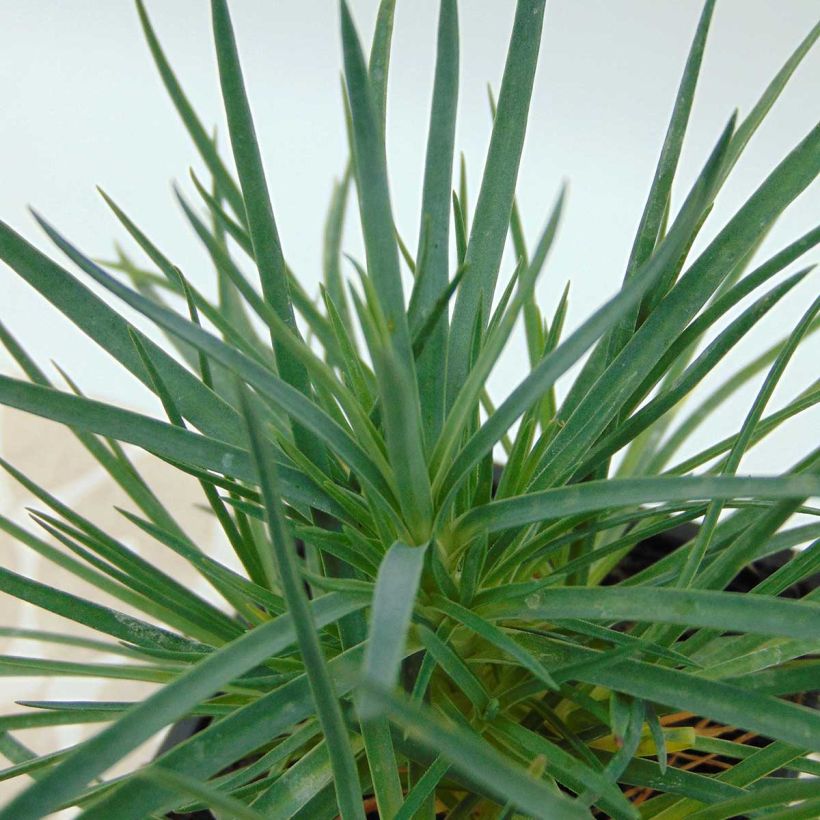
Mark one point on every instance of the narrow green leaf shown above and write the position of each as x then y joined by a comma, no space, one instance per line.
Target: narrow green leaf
690,378
401,417
46,636
331,249
197,790
355,372
423,789
95,616
541,379
223,223
235,588
30,765
81,570
468,754
228,317
67,717
755,117
111,458
684,346
565,767
726,611
460,227
605,494
424,324
496,636
198,134
293,790
606,397
803,565
807,399
661,188
393,600
246,730
288,398
379,65
261,223
152,435
203,408
374,198
163,707
228,269
244,551
732,705
435,214
186,613
492,216
16,666
463,402
774,795
282,566
267,249
449,660
742,442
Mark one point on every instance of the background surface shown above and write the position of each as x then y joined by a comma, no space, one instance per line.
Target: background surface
82,105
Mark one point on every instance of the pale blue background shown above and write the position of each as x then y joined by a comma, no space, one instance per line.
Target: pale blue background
82,105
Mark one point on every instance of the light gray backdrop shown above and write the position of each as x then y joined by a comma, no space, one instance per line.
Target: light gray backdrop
82,105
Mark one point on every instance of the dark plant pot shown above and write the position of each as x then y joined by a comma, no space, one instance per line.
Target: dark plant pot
644,555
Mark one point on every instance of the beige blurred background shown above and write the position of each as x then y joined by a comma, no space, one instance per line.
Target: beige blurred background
82,105
51,455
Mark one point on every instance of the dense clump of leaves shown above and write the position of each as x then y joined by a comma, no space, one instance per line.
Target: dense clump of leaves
449,637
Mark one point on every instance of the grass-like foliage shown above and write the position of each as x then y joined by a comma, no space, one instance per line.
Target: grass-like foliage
406,625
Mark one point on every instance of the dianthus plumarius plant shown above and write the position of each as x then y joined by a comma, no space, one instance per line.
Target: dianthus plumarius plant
408,626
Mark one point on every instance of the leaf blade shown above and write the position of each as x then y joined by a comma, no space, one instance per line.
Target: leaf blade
492,215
